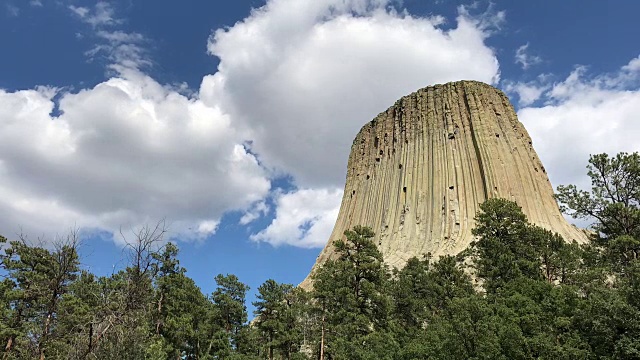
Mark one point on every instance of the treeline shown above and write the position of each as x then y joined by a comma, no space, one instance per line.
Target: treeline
518,292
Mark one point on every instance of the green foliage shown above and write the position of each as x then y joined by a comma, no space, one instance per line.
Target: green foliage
149,310
279,311
351,295
37,280
507,248
229,313
469,330
613,203
229,298
519,292
422,290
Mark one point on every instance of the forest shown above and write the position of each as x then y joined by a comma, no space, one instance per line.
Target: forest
518,292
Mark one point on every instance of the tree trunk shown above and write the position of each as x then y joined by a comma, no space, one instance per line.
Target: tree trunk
159,323
45,333
90,347
7,348
12,338
47,323
322,336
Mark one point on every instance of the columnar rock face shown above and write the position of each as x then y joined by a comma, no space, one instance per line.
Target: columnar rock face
418,172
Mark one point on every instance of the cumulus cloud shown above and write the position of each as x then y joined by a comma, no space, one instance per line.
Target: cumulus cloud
296,80
585,115
125,152
304,218
303,76
525,59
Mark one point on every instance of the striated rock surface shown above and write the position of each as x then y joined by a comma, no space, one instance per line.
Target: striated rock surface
418,172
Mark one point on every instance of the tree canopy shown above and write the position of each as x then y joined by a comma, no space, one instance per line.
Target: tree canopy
519,292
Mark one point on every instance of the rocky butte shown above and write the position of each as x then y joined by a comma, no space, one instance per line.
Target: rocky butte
418,172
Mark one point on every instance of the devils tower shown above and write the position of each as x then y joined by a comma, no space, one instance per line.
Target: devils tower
418,172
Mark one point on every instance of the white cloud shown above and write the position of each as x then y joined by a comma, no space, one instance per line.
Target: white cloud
36,3
102,14
80,11
527,92
297,79
258,210
585,115
525,59
488,21
208,227
633,66
126,152
120,37
304,218
123,50
303,76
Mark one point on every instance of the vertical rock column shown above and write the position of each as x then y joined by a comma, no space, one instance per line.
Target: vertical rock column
418,172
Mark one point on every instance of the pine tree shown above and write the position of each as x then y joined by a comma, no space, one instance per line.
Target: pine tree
507,247
351,293
271,317
231,312
37,280
613,203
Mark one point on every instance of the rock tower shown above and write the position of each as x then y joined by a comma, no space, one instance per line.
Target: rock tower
418,172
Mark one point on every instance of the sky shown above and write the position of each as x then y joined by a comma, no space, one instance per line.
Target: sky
232,120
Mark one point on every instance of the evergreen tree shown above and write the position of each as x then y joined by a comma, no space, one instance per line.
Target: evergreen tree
614,204
470,329
269,312
352,295
279,312
507,247
423,290
78,317
37,280
231,312
249,347
544,298
180,309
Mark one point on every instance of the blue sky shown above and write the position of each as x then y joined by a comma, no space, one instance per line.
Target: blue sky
233,120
